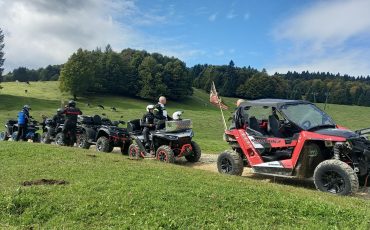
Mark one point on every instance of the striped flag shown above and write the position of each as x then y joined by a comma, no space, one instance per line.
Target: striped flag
215,100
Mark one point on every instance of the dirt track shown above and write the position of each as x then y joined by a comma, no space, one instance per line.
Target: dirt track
208,162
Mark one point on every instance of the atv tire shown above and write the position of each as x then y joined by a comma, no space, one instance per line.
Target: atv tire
14,135
103,145
59,139
165,154
83,142
335,176
36,138
134,152
45,138
196,153
125,148
4,136
230,162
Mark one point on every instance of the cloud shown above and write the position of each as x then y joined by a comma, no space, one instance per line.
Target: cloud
246,16
212,17
231,15
220,53
326,36
39,32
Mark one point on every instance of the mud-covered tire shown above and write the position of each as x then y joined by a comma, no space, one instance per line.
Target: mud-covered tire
4,136
134,152
125,148
59,139
335,176
165,154
103,145
36,138
196,153
230,162
45,138
82,141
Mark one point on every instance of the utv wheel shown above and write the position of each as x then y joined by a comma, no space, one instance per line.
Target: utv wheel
134,152
335,176
45,138
125,148
196,153
4,136
59,139
36,138
82,141
230,162
103,145
165,154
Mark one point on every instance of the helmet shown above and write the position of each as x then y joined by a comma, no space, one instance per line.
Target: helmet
149,107
71,103
27,107
177,115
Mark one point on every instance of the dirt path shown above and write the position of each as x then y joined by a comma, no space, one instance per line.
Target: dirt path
208,162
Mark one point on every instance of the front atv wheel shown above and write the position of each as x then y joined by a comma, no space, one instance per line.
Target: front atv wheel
134,152
165,154
196,153
230,162
335,176
82,141
103,145
45,138
14,135
59,139
36,138
4,136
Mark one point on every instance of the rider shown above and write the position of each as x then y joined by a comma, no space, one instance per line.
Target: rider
70,123
148,124
161,114
23,118
59,117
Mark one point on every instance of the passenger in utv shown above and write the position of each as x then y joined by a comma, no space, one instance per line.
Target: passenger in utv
148,123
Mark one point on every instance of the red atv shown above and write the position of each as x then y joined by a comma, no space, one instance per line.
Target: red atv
295,139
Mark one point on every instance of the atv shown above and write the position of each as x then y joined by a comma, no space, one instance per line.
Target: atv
103,133
175,141
10,127
51,130
295,139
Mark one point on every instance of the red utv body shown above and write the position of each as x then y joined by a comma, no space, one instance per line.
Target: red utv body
292,138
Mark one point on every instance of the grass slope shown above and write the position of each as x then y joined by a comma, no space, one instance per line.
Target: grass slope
110,191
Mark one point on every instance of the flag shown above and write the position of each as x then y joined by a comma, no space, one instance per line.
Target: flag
215,100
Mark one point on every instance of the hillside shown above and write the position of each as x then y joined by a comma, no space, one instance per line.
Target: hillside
109,191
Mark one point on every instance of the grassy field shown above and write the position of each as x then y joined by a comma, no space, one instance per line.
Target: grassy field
45,98
110,191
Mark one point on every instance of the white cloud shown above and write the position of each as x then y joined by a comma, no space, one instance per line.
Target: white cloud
231,15
220,53
326,36
212,17
39,32
246,16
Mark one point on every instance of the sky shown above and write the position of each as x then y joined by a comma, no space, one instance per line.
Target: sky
279,35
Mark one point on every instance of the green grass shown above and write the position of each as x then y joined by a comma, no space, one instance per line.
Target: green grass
110,191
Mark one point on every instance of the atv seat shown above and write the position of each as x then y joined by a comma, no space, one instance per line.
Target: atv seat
11,122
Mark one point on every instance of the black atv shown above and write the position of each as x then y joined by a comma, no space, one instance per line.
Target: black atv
51,130
174,141
10,127
103,133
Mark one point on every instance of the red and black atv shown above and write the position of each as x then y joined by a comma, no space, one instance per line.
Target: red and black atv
295,139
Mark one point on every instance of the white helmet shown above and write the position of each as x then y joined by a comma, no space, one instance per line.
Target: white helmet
149,107
177,115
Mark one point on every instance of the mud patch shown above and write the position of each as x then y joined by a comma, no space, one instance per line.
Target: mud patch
45,182
91,155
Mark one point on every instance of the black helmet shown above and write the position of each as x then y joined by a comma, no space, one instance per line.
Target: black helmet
59,110
27,107
71,103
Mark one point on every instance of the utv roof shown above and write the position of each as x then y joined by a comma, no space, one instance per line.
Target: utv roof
272,102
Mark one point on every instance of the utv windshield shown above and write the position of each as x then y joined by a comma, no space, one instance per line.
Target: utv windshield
307,116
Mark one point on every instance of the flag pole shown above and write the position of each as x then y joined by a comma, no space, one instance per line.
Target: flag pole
219,105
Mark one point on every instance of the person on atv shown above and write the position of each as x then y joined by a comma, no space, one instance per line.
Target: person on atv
70,124
148,123
58,119
23,118
161,114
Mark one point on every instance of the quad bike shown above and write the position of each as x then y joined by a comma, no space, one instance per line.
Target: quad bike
50,130
103,133
10,127
31,132
295,139
66,139
174,141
